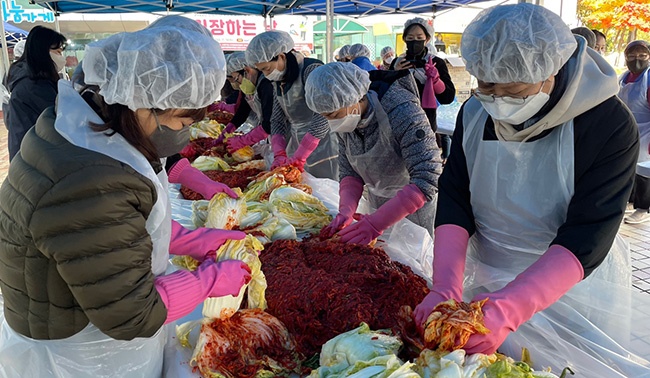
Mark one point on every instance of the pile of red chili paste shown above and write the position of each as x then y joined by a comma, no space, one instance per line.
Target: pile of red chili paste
320,289
234,179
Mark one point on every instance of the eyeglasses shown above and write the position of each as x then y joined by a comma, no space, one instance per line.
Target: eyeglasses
237,78
640,56
512,100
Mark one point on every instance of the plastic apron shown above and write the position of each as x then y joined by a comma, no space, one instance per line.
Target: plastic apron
520,194
323,162
635,96
383,170
90,353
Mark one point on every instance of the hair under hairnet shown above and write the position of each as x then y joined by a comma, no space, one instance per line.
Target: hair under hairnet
266,46
335,86
386,50
358,50
19,48
167,65
638,42
428,29
516,43
344,51
235,62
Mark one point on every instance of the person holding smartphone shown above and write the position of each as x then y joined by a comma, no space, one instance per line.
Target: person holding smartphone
425,64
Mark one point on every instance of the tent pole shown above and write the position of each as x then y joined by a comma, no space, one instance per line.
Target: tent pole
5,48
56,22
329,28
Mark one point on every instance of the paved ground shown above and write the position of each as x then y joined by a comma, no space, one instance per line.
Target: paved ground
637,235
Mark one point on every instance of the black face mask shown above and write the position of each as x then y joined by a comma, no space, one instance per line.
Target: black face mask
414,48
637,66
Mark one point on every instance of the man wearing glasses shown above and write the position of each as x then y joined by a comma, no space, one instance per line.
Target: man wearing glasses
534,191
635,94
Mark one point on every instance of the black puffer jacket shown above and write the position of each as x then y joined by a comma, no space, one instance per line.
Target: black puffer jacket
28,99
73,242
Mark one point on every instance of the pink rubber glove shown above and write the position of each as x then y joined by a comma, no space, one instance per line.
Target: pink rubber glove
183,173
249,139
198,243
432,73
307,145
350,191
449,254
227,130
222,107
183,290
279,147
533,290
407,201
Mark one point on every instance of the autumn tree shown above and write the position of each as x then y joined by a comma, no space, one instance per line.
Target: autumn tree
620,20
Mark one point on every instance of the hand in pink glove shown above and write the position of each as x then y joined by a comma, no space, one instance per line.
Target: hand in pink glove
183,173
249,139
182,290
533,290
227,130
431,70
279,147
307,145
200,242
449,254
407,201
222,107
350,191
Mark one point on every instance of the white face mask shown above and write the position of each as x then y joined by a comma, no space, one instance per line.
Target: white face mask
516,114
59,61
346,124
275,75
389,60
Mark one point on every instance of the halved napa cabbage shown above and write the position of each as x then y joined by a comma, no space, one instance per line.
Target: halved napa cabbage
304,211
257,189
225,212
360,350
243,154
210,163
205,129
248,250
256,214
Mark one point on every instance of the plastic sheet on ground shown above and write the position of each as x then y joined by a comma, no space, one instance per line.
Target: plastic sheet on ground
542,335
405,242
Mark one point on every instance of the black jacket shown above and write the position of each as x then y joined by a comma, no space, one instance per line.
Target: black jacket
29,98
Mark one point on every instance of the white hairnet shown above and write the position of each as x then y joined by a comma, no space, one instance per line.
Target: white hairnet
422,22
516,43
386,50
19,48
335,86
344,51
168,65
266,46
335,55
358,50
173,21
235,62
